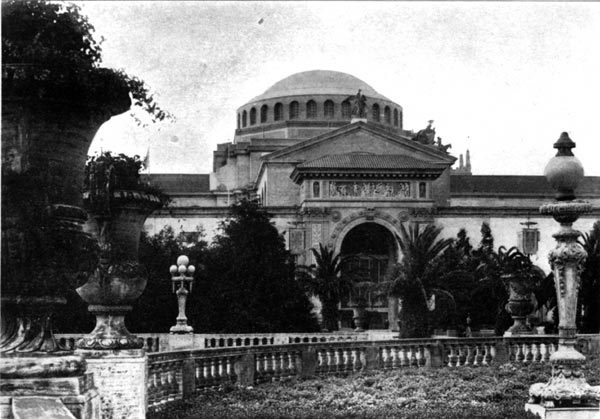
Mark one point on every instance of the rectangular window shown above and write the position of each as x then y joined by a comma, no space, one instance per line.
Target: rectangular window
422,190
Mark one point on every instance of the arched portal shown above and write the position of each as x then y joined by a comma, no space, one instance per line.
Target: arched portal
371,249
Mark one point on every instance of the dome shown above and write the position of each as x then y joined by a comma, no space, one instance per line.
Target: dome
322,82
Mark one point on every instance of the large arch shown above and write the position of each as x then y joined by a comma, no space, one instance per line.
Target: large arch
369,237
345,225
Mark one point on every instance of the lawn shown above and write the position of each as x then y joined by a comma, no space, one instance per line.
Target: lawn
450,393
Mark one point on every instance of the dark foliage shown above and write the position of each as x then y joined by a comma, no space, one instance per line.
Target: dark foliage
106,173
418,278
49,49
327,281
249,283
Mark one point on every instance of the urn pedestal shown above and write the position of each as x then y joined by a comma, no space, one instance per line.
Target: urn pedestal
113,354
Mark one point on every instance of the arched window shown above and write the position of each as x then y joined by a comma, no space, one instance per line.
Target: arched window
387,115
329,109
263,113
316,190
311,109
346,110
400,119
396,117
252,116
238,121
244,118
294,110
375,112
278,114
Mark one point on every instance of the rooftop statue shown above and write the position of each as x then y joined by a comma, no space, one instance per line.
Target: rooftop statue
359,105
443,147
427,135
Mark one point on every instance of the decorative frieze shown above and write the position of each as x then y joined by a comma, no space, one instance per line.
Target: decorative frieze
376,190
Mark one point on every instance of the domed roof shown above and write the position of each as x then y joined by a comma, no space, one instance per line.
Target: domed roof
322,82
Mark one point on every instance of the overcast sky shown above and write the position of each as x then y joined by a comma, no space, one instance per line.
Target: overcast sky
503,79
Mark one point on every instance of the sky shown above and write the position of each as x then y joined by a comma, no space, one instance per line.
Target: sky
502,79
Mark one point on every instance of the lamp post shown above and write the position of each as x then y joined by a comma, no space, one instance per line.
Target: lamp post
179,275
567,387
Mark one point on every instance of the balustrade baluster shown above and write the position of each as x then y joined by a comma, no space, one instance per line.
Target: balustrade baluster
336,361
268,370
518,353
411,356
321,362
394,354
476,355
544,352
275,360
162,381
363,358
291,364
402,356
199,373
355,360
486,354
451,356
222,376
330,363
419,356
152,388
259,369
534,352
169,381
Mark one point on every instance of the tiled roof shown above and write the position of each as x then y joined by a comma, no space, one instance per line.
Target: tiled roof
369,161
177,183
515,185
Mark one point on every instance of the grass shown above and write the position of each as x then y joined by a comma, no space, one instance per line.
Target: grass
466,392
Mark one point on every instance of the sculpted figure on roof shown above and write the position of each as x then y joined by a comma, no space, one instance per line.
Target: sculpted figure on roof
427,135
359,105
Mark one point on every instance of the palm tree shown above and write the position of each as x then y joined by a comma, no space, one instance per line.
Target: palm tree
326,280
417,279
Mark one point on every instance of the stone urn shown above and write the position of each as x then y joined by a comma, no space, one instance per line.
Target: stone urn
45,250
119,279
519,304
359,317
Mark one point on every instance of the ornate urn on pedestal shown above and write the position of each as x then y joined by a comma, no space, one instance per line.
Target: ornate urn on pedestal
519,276
47,128
359,300
567,388
118,204
519,304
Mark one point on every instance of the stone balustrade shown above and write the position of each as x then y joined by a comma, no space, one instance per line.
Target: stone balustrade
160,342
176,375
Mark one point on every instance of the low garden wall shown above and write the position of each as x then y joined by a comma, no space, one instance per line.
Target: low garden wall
179,374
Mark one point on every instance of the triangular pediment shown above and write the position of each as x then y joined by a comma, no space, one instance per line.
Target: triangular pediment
359,137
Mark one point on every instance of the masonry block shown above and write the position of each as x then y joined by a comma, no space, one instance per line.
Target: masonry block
121,377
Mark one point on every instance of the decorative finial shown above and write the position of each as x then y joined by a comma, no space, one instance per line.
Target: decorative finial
564,145
564,171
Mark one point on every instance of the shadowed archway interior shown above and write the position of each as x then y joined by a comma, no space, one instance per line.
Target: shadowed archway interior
371,249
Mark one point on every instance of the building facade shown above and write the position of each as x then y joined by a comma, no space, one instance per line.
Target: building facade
329,177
